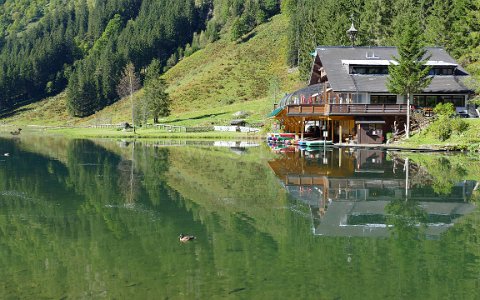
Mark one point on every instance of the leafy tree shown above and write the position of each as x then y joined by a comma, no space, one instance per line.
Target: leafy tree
129,83
410,75
157,99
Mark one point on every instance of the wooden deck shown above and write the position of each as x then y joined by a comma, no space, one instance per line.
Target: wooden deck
305,109
346,109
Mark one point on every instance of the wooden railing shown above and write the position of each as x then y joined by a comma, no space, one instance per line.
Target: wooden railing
346,109
366,109
306,109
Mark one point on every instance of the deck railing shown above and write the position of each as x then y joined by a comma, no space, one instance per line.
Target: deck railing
346,109
366,109
306,109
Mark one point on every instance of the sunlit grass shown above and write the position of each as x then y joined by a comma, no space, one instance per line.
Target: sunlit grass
465,140
207,88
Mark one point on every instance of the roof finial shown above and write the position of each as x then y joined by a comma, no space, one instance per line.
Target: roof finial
352,32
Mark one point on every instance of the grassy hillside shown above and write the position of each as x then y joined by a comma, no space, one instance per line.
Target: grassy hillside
206,87
470,139
229,72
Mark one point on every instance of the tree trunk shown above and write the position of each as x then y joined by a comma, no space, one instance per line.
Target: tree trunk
407,129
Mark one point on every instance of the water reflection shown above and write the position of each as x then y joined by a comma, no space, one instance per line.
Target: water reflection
370,192
75,223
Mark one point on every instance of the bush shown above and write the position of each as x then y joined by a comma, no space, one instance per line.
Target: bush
441,129
444,127
444,109
458,125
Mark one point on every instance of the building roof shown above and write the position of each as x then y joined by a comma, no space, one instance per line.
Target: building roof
378,84
336,61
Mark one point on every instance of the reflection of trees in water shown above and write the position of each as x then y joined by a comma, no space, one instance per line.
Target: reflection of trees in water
406,219
128,180
446,175
436,171
245,248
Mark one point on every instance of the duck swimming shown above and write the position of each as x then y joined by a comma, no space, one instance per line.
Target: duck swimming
16,132
185,238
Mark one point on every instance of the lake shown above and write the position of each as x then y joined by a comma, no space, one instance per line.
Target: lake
101,219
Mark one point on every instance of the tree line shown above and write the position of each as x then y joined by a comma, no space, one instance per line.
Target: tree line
83,46
453,24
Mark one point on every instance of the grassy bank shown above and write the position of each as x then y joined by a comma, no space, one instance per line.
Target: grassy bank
150,133
468,140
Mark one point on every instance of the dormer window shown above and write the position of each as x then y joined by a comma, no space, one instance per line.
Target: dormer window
367,67
369,70
442,71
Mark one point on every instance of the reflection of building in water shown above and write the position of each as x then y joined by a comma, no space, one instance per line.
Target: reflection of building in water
348,192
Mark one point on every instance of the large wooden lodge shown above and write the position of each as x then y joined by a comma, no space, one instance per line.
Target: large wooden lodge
347,99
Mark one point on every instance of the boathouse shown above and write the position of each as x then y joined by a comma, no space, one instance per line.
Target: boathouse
347,99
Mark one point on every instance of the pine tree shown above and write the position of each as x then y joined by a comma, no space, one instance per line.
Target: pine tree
157,99
153,71
410,75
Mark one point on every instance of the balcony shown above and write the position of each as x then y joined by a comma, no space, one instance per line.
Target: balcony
305,109
346,109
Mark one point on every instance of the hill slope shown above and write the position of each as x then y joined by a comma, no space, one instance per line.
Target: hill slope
227,72
206,87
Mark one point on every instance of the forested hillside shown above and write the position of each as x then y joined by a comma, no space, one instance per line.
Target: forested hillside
453,24
48,46
84,45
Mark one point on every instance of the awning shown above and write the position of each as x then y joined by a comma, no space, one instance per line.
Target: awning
275,112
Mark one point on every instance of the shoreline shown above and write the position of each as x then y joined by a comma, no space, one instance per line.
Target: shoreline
399,148
150,133
109,133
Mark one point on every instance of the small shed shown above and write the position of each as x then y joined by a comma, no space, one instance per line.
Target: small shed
370,131
238,122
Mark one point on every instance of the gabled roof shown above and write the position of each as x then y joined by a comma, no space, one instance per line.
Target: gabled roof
336,61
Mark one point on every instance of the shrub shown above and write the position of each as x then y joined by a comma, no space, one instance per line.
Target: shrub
458,125
444,109
441,129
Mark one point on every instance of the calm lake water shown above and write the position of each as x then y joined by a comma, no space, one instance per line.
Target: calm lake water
101,219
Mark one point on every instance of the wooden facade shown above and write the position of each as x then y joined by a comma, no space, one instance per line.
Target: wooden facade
346,101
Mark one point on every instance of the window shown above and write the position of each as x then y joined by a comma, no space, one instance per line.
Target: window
359,70
369,70
458,100
383,99
441,71
419,101
433,100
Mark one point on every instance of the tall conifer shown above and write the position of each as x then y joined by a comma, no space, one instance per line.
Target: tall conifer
410,75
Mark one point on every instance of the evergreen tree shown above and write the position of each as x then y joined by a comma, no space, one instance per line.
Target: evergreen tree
157,99
154,70
410,75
